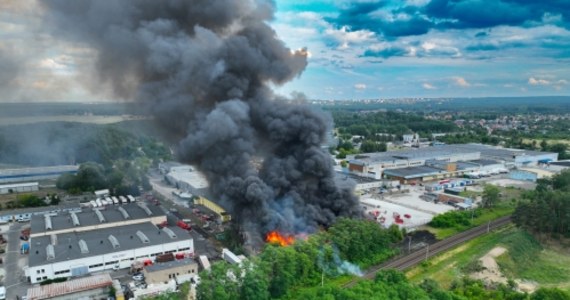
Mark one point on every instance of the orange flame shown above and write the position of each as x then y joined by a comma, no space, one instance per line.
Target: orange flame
275,237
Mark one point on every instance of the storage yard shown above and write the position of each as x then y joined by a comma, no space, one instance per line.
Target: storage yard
387,213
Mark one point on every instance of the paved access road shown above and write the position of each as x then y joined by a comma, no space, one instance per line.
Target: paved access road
407,261
15,280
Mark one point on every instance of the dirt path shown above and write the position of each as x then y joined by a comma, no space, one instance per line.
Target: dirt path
491,272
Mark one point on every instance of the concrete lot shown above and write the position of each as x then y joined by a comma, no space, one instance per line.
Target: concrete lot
413,200
387,211
506,182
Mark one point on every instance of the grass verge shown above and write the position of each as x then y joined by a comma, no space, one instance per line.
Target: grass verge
525,259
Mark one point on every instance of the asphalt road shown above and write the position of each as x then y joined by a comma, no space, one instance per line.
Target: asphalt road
15,280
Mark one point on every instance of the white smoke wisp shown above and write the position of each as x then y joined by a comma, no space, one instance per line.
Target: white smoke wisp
331,263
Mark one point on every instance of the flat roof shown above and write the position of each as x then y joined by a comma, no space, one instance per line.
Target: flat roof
495,151
171,264
17,185
563,163
485,162
410,154
357,179
98,242
38,170
196,179
413,172
444,150
88,217
49,291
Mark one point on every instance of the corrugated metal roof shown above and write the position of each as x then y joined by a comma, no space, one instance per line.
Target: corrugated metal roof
72,286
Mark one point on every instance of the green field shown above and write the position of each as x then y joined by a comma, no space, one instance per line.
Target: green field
488,215
525,259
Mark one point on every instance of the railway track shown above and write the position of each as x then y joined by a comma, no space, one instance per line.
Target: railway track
404,262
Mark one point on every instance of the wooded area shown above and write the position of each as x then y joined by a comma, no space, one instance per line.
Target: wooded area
547,209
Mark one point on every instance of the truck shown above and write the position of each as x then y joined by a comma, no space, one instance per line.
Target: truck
2,292
183,225
230,257
123,200
131,198
25,248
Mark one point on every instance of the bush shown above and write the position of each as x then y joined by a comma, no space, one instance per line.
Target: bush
453,219
54,280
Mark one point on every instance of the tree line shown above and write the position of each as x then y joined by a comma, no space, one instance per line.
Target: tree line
279,272
546,210
122,178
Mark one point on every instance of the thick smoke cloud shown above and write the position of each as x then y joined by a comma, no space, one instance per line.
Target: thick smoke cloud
203,68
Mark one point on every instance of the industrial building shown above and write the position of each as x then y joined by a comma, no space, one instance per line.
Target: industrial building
94,219
443,161
373,165
181,271
508,156
78,242
172,166
35,174
218,210
91,287
194,182
363,183
19,188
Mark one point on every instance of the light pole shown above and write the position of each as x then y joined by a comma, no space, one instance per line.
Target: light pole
427,252
409,243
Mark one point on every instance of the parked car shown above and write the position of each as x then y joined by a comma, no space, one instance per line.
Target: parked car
138,277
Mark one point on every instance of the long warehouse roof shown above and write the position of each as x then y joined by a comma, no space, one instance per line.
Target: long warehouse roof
76,245
89,217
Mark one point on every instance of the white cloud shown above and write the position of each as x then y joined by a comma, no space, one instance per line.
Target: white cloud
538,81
460,81
428,86
360,86
345,37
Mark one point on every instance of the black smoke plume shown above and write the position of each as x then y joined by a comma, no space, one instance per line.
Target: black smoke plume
204,67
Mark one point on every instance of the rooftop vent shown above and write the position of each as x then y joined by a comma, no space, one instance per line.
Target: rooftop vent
124,212
100,216
145,208
114,241
75,219
170,233
144,239
53,239
50,251
83,247
48,222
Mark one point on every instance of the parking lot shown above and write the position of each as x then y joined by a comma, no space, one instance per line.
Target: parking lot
14,262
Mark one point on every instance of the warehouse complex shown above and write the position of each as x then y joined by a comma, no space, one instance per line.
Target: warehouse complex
76,243
35,174
192,184
444,161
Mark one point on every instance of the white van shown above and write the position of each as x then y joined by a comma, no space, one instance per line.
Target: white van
2,292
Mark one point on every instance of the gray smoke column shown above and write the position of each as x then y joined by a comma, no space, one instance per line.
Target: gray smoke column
203,68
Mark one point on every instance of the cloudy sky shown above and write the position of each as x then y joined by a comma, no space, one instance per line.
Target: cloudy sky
408,48
358,49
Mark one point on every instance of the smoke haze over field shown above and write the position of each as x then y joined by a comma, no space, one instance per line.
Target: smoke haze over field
203,68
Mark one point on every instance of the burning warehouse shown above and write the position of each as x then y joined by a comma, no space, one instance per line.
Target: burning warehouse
204,69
